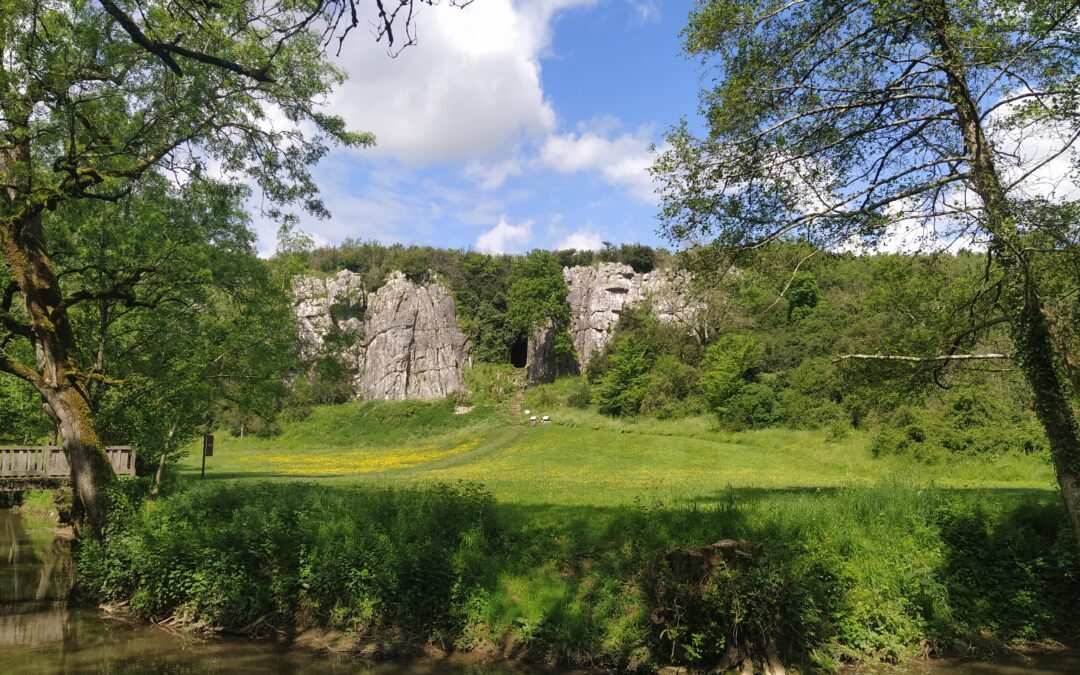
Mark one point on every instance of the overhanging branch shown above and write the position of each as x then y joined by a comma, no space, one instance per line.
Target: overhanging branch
13,367
166,51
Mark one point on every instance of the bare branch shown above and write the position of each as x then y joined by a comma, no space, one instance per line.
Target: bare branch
920,359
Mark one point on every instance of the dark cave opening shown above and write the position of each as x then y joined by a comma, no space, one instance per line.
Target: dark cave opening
519,353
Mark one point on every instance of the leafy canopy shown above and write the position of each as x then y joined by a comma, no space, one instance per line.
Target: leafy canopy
830,120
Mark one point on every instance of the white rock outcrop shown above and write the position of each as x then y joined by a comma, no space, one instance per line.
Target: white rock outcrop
401,342
600,293
339,301
413,346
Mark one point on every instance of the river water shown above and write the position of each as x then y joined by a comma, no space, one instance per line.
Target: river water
41,633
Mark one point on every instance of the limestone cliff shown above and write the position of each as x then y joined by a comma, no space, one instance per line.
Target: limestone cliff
414,348
599,294
401,341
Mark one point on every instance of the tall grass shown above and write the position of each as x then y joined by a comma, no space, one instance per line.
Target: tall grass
872,573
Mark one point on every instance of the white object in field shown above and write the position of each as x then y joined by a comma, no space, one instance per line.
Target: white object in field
527,412
532,420
545,420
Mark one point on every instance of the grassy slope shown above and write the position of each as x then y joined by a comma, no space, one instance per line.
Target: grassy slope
583,458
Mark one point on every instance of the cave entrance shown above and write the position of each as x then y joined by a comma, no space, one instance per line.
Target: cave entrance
519,353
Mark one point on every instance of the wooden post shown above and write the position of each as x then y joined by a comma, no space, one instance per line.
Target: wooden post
207,451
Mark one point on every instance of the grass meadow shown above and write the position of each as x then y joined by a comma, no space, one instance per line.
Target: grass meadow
582,457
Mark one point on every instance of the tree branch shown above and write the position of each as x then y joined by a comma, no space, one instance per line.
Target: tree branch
13,367
919,359
165,51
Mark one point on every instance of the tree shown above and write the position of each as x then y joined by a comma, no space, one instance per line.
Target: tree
95,97
537,296
802,295
730,363
214,329
623,386
834,121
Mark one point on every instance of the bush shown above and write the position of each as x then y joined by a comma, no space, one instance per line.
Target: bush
803,296
581,393
490,383
364,559
756,406
967,419
671,383
730,363
812,395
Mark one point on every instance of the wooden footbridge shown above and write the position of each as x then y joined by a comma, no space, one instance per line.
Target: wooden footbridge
20,465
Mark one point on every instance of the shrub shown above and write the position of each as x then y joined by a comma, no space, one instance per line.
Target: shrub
490,383
812,395
581,393
803,296
967,419
366,559
755,406
671,382
858,574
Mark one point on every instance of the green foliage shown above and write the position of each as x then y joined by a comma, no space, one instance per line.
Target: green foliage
581,394
638,256
997,558
623,387
366,560
969,419
730,363
812,395
671,386
490,383
862,574
202,332
327,381
754,406
802,295
24,420
537,297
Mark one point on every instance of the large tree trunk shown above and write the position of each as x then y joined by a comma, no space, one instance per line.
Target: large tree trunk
91,471
58,379
1029,327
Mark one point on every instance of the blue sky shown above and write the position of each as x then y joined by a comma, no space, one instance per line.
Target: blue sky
511,124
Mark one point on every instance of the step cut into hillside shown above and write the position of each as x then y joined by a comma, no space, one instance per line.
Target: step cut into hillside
599,294
401,342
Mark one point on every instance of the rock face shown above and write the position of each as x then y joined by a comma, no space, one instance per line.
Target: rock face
414,348
323,305
599,294
540,367
401,342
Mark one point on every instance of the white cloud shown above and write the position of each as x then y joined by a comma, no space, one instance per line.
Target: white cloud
505,238
1037,157
470,88
645,11
582,240
622,160
492,176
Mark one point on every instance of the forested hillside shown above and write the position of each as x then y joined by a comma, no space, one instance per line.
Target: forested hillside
767,349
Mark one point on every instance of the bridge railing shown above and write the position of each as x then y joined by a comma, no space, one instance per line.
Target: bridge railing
50,461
